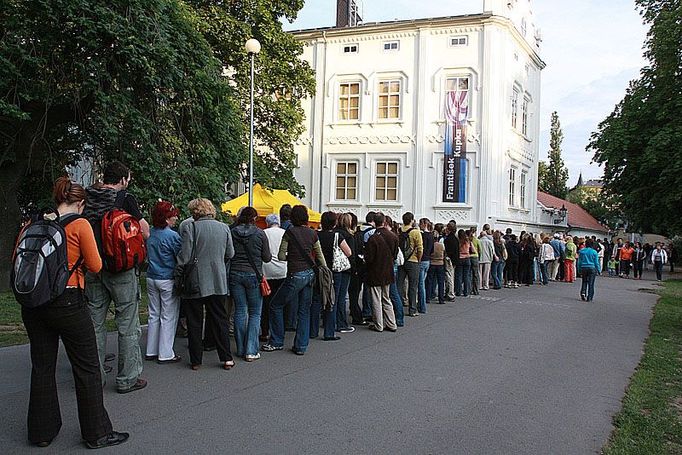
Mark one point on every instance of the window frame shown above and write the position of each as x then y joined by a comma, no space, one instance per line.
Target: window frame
459,38
512,186
525,104
386,176
348,97
515,107
523,187
346,176
348,48
390,44
389,94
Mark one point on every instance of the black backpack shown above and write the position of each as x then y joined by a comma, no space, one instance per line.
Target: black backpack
40,267
405,246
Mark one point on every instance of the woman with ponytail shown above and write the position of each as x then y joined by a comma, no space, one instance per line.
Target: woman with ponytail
68,318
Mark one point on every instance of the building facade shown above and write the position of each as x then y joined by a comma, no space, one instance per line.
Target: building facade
439,117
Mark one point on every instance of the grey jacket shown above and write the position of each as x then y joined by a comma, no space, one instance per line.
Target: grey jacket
249,237
214,250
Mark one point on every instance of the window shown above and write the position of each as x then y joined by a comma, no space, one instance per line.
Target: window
386,181
514,107
524,117
512,186
389,99
392,45
456,41
522,189
350,49
346,180
349,101
524,26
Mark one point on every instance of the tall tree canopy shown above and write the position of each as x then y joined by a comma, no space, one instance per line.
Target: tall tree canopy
552,176
640,143
158,84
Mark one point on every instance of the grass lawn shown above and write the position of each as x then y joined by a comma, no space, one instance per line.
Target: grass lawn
12,330
650,421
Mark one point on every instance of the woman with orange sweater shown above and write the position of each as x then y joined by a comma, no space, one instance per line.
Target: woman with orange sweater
67,317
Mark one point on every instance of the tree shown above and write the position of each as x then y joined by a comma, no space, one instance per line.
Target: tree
640,143
552,176
134,81
602,207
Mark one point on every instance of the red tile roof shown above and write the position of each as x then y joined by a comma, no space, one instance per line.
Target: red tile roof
578,217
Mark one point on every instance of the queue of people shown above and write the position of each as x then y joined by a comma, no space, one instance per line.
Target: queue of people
259,283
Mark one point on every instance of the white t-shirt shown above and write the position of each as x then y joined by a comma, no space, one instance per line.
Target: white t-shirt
275,269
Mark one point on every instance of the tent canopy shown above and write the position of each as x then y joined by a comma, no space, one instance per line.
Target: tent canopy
266,202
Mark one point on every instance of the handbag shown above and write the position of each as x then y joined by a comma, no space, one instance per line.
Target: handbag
263,284
184,285
340,262
324,282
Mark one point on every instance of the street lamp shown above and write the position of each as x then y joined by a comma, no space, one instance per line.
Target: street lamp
252,48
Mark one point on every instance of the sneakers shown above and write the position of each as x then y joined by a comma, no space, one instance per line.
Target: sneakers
348,329
270,348
112,439
583,297
251,358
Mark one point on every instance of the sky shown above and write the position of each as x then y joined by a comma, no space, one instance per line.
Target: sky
592,48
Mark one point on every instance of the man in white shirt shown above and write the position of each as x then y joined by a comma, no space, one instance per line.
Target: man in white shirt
274,271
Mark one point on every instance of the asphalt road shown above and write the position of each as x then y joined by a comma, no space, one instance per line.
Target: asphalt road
527,371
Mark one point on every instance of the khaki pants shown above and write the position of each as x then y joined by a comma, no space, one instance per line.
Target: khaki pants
484,274
449,279
382,308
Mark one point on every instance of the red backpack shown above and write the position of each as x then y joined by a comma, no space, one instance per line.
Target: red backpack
122,242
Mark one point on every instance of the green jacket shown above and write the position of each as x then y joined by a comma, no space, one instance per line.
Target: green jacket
570,251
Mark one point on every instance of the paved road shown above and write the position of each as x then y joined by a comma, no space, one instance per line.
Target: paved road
527,371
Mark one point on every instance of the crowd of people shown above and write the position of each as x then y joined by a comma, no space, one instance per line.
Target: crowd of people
212,280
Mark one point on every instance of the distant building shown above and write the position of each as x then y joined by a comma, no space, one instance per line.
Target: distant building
578,221
592,187
436,116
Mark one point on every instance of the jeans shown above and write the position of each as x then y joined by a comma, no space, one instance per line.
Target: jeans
164,308
437,279
123,290
298,287
463,277
245,290
423,272
497,273
396,300
328,318
587,287
341,283
544,271
658,267
411,269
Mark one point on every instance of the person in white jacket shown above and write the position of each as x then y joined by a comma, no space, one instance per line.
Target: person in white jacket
658,258
486,255
546,258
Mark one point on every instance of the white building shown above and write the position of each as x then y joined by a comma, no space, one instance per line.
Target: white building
392,97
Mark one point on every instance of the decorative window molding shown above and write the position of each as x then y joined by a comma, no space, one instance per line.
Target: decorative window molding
515,106
349,100
386,186
391,46
389,99
512,186
346,181
458,41
522,188
352,48
524,116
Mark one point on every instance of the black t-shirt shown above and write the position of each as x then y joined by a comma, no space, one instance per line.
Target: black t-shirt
127,202
428,241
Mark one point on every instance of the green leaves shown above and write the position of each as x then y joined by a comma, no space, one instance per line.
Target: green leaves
552,176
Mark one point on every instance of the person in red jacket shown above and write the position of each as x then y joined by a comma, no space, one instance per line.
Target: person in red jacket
626,254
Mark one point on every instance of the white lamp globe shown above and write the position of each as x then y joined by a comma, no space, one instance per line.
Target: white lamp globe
252,46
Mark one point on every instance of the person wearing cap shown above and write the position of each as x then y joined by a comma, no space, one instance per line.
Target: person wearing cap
559,251
163,245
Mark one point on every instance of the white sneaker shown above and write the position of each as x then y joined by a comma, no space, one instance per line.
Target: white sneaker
251,358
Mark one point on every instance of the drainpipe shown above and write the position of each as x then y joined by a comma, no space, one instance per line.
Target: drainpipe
324,83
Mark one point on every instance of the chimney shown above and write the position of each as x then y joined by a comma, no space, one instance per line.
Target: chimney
347,13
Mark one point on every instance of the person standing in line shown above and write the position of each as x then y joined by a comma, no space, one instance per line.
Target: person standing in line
163,246
615,253
366,231
251,251
464,266
437,268
206,250
290,310
474,260
342,279
275,271
357,274
569,261
498,260
606,253
526,260
659,257
299,245
588,267
396,299
512,265
638,259
380,253
451,243
424,262
121,288
67,318
412,248
546,258
487,255
558,246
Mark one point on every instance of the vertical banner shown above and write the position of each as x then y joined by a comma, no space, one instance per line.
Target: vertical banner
455,162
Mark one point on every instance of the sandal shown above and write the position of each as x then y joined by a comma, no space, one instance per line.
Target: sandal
228,365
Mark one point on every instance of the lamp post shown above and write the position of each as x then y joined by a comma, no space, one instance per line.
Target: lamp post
252,48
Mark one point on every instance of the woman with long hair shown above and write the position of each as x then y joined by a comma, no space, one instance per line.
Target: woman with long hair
251,250
344,227
463,271
68,318
638,259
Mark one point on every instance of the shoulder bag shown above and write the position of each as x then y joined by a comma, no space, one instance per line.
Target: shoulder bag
340,261
263,282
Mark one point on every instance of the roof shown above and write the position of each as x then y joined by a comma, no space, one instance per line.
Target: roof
578,217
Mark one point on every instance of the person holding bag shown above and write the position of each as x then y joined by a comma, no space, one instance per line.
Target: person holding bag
251,250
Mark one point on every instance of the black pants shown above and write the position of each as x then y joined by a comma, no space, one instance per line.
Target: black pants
275,285
218,325
639,267
658,267
354,298
512,269
69,319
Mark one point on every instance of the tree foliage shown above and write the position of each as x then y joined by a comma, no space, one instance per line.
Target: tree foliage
640,143
603,207
552,176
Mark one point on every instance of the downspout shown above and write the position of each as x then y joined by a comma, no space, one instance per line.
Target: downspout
324,87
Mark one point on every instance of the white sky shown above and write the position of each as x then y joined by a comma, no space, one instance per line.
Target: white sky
592,48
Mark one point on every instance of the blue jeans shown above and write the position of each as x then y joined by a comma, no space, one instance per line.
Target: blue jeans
463,277
328,317
437,279
298,287
423,271
341,283
396,300
587,287
544,272
245,290
498,272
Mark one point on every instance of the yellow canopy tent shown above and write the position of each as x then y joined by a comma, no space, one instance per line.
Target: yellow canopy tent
266,202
